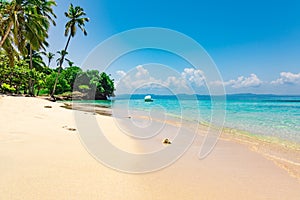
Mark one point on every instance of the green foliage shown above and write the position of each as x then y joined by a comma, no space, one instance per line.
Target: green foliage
61,58
76,15
44,91
62,83
99,83
84,88
83,78
17,76
25,21
70,74
7,88
49,56
16,79
106,85
24,26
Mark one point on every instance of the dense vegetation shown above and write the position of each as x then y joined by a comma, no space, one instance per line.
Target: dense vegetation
24,26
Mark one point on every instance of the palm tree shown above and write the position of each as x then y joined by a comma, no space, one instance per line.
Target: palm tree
70,63
61,58
44,8
25,22
37,17
49,56
9,13
24,28
9,50
25,13
12,16
77,17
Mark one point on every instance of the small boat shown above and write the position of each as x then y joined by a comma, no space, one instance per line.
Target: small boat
148,98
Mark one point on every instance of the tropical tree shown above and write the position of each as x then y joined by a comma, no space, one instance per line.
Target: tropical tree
38,19
26,24
38,70
9,13
94,84
61,58
36,65
11,17
106,86
62,83
44,8
70,73
14,79
28,21
70,63
77,18
49,56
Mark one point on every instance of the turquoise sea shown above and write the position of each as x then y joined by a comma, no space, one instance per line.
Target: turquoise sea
266,115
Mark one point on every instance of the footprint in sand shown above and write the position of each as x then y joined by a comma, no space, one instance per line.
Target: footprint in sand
68,128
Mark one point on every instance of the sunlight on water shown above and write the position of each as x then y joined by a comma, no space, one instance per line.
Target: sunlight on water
266,115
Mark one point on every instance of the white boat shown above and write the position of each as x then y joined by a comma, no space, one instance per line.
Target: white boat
148,98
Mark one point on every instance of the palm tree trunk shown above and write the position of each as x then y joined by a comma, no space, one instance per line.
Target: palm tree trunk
31,89
38,92
60,66
6,34
66,47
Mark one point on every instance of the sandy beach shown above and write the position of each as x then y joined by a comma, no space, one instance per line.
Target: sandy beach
42,157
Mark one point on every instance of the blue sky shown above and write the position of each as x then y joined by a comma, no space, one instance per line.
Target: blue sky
255,44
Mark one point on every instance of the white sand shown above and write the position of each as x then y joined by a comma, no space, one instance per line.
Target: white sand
41,159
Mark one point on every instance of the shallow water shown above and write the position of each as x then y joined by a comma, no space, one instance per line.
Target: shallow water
266,115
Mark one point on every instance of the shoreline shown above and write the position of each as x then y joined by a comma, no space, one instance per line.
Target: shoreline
42,157
284,153
175,118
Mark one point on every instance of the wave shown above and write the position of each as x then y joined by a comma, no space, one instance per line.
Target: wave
283,101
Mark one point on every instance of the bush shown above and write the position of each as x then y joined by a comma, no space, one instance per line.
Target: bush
7,88
62,84
44,91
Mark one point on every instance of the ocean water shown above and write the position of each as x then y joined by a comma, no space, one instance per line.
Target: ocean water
265,115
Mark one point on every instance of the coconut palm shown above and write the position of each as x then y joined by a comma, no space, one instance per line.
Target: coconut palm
31,15
49,56
24,28
70,63
9,13
25,22
77,18
62,57
37,22
11,17
44,8
9,51
13,23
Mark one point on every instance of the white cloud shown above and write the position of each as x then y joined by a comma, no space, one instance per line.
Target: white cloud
242,82
195,76
121,73
140,77
177,83
141,72
287,78
137,78
145,78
